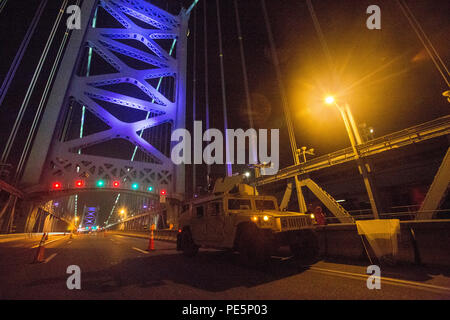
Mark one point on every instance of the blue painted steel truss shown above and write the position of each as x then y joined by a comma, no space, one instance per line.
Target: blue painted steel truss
65,163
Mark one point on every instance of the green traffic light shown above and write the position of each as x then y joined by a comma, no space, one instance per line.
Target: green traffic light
135,186
150,188
100,183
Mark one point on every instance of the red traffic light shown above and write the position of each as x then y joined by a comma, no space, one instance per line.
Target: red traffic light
163,192
79,183
56,185
116,184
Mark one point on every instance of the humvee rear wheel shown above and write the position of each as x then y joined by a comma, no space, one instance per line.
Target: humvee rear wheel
188,246
306,245
252,247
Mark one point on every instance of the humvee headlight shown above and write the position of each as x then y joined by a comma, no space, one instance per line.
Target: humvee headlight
255,218
266,218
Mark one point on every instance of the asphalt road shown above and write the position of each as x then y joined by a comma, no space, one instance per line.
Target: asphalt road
118,267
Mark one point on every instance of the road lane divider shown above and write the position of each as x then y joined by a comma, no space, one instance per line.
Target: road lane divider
50,258
140,250
405,283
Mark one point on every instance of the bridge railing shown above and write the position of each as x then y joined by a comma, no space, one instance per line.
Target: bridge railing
366,214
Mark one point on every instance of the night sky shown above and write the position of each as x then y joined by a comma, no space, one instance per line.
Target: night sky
385,75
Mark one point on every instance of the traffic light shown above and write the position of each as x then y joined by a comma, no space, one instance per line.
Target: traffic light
163,192
116,184
135,186
79,183
100,183
57,185
150,189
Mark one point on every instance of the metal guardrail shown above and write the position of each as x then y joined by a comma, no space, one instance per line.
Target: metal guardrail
422,132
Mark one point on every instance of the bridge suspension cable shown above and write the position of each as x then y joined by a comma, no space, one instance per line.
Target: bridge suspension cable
194,94
323,42
32,85
2,5
40,108
284,102
205,44
244,73
23,47
229,169
434,55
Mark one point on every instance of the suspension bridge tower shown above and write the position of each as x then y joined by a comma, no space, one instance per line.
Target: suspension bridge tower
119,93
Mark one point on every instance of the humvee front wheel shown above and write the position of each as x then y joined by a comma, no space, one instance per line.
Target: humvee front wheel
252,247
188,246
305,246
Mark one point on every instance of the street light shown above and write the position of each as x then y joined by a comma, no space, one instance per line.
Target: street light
329,100
304,151
355,139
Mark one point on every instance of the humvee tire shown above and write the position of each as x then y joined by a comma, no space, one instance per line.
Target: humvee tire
187,245
252,247
306,245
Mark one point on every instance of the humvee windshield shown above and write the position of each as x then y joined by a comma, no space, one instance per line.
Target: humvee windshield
265,205
239,204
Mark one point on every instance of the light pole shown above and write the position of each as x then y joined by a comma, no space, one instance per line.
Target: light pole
355,139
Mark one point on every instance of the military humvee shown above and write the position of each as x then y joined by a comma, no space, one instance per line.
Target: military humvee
240,219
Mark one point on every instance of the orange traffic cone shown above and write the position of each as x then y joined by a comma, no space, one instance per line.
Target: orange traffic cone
40,250
151,242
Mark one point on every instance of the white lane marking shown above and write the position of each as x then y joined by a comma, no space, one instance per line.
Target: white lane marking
50,258
389,280
137,249
281,258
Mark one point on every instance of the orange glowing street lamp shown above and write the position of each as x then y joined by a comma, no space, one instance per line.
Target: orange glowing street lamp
355,139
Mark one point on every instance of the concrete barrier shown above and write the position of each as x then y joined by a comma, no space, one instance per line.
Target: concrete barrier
419,242
19,236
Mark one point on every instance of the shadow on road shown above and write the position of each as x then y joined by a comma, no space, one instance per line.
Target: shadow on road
213,271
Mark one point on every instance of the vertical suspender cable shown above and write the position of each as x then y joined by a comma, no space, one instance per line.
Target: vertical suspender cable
205,44
229,169
19,55
194,95
244,74
32,85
